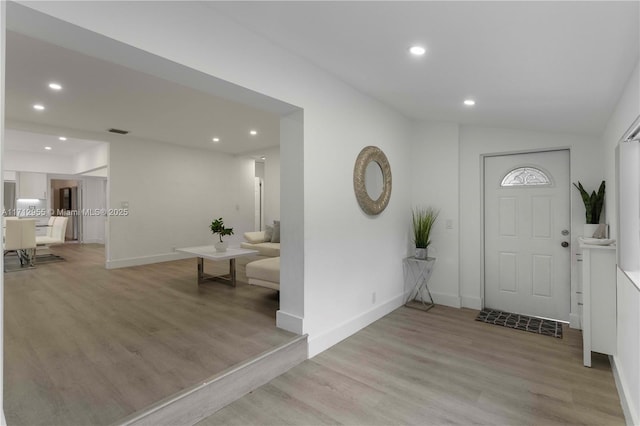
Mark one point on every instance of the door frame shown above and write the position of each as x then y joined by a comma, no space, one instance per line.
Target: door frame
482,218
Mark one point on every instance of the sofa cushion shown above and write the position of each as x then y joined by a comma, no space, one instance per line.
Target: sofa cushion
265,269
268,233
275,238
255,237
264,249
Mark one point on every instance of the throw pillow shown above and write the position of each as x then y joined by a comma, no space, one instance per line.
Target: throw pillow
275,238
268,233
254,237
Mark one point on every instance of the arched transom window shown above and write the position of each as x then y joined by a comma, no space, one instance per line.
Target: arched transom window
526,176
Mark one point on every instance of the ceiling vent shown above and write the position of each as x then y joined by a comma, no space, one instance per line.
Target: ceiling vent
119,131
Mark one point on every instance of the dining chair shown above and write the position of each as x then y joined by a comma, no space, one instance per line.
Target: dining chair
20,236
56,230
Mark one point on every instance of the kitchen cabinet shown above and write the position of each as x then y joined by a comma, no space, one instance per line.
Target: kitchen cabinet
32,185
599,300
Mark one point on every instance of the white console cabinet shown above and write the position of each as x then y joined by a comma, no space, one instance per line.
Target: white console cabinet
32,185
599,300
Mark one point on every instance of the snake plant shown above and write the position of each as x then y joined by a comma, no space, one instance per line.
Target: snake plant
592,203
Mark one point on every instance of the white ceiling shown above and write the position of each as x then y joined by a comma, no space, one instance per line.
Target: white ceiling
17,140
98,95
556,66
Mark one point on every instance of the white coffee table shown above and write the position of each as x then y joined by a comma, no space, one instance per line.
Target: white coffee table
209,252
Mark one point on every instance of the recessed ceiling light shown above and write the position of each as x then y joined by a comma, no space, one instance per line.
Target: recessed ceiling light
253,132
48,148
62,138
39,107
216,139
417,50
263,158
55,86
469,102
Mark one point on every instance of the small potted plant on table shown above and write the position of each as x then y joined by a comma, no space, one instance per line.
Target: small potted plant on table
423,220
217,227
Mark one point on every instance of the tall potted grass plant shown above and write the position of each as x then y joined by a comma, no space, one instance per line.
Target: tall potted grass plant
423,221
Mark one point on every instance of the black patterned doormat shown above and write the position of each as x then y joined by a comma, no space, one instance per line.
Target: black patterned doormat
521,322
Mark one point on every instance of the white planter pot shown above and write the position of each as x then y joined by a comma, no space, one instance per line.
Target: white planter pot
220,246
421,253
588,229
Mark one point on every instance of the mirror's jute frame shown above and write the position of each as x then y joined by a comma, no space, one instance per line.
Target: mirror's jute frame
367,204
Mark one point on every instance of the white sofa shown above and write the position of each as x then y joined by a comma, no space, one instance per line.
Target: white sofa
255,241
265,273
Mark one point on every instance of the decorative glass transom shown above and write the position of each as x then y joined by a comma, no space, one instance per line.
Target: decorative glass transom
525,176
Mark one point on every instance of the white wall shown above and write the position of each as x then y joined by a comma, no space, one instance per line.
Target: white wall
292,292
91,159
102,172
37,162
628,355
93,198
347,255
434,182
173,194
586,166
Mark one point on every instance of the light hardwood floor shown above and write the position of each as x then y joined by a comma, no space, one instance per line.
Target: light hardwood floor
89,346
434,368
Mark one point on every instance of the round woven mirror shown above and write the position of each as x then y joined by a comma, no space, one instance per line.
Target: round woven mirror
362,180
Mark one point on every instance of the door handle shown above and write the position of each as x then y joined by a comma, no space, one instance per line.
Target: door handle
564,244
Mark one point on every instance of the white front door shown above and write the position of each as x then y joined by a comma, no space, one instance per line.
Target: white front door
526,223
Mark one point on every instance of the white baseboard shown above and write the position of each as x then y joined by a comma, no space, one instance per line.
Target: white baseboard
630,415
446,299
324,341
471,302
574,321
289,322
145,260
93,241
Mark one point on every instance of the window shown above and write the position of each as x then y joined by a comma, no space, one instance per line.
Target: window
628,202
629,209
525,176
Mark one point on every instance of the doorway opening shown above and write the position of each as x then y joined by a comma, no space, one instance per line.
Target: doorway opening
67,201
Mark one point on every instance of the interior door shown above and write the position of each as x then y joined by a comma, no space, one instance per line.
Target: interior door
526,224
